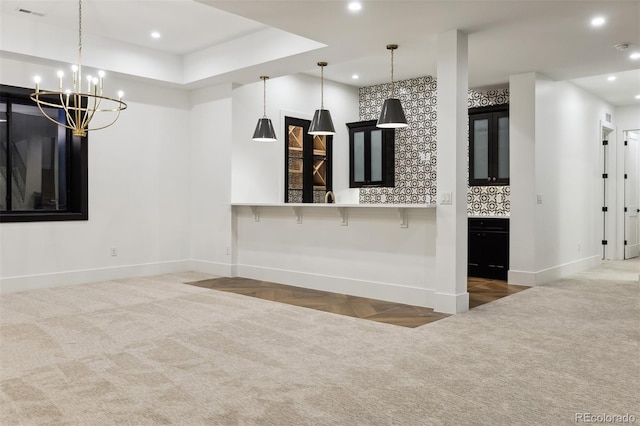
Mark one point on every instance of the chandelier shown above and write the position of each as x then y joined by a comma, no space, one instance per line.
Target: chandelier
79,107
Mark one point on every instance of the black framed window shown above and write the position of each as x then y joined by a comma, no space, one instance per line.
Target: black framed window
371,155
43,167
489,146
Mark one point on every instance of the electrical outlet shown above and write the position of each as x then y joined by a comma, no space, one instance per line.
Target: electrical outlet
114,251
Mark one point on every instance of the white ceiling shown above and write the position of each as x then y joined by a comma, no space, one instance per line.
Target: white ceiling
505,37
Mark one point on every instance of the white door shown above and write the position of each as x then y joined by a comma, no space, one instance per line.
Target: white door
631,195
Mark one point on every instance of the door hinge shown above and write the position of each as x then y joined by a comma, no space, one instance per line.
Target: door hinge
625,209
625,242
625,143
625,175
605,175
604,209
604,242
605,142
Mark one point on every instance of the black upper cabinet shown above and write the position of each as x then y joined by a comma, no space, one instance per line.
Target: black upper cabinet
489,146
371,155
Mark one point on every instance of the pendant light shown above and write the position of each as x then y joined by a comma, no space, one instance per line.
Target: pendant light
392,115
322,123
264,129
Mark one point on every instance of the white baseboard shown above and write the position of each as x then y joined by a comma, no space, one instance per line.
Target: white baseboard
213,268
57,279
371,289
451,303
554,273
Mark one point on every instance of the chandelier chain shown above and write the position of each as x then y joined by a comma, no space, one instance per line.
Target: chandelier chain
79,32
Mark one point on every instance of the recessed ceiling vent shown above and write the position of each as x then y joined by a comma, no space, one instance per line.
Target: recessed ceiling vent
30,12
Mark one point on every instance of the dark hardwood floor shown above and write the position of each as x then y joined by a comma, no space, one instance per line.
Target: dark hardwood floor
484,290
481,291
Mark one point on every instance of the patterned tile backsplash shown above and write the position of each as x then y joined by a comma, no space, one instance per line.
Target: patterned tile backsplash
415,155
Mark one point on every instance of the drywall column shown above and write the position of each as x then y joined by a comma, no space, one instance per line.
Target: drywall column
522,125
451,241
211,241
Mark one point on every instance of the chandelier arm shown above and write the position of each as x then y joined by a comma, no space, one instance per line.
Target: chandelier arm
40,104
90,111
77,108
107,125
65,107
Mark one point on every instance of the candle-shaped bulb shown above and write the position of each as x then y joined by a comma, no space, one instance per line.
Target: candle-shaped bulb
120,94
74,68
37,81
60,75
101,74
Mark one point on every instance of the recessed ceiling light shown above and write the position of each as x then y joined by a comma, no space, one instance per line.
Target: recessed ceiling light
355,6
355,76
634,56
611,78
155,34
598,21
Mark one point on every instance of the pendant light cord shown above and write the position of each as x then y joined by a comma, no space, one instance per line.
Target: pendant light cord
393,92
321,86
264,96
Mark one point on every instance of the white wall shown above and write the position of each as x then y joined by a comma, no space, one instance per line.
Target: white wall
372,256
566,216
568,141
626,118
258,167
139,191
210,180
522,119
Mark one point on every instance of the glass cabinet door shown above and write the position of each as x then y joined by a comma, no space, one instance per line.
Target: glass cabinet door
308,163
481,148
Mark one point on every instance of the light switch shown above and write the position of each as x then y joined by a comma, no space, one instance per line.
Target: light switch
539,198
446,198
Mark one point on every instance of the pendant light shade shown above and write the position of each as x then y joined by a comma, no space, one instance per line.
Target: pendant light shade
322,124
392,115
264,129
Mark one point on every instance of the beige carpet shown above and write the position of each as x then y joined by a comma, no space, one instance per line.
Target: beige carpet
153,351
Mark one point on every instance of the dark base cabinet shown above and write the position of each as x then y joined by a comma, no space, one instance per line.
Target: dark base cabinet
488,248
